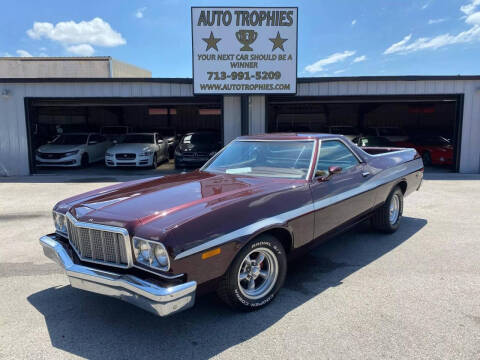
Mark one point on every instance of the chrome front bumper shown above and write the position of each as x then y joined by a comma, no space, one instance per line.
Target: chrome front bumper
161,301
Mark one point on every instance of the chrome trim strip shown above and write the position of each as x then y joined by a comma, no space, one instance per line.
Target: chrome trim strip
159,300
100,227
386,153
249,229
381,178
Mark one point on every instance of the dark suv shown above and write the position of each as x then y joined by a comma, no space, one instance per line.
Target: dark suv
196,148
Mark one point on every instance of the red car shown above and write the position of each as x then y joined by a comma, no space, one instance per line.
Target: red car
435,150
231,226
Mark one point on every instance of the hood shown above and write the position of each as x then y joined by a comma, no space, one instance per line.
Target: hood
53,148
135,148
167,201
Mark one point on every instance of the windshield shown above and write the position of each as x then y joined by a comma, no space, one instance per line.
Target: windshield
391,132
138,138
114,130
433,141
343,130
286,159
200,138
72,139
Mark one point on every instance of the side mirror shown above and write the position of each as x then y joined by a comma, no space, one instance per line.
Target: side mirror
332,170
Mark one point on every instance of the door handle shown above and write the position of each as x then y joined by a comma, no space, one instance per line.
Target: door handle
365,174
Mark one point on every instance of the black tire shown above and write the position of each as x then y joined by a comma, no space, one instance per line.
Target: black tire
427,158
382,220
232,291
84,161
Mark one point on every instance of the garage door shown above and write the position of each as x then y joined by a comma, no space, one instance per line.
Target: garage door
431,124
170,117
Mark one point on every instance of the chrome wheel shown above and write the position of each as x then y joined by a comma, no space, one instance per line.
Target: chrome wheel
394,209
258,273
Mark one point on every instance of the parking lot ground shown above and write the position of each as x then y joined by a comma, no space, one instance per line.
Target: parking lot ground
363,295
100,169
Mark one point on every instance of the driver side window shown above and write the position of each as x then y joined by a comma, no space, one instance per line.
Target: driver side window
334,153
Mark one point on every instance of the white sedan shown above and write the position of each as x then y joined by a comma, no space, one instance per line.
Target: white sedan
71,150
138,149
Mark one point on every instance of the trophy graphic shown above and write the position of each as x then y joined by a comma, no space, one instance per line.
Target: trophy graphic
247,38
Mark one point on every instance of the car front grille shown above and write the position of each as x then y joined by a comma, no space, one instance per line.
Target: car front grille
195,154
51,155
98,243
125,156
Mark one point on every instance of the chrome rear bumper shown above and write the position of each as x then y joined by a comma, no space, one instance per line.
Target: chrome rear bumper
161,301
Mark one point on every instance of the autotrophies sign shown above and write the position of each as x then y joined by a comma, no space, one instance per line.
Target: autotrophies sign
244,50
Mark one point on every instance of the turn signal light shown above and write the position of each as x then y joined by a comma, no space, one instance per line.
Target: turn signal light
211,253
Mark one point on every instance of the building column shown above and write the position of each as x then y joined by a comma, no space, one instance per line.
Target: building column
232,118
256,115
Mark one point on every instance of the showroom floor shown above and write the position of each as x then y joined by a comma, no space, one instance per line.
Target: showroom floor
413,294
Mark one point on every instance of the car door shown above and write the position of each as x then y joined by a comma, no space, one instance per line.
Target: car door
340,197
105,144
158,146
162,146
96,147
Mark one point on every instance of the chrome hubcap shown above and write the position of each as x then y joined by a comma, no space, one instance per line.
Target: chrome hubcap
258,273
394,209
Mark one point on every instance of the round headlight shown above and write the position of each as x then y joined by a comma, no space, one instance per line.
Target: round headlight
61,221
161,255
146,251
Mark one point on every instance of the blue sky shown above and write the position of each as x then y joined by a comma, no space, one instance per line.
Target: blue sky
336,37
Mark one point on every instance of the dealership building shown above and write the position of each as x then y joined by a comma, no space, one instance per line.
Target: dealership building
39,95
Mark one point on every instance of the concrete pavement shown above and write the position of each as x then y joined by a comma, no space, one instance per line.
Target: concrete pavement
363,295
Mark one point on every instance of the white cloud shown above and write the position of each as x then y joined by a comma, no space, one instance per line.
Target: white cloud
81,50
425,6
398,46
360,59
139,12
23,53
332,59
473,19
354,21
406,46
95,32
435,21
340,71
7,54
470,7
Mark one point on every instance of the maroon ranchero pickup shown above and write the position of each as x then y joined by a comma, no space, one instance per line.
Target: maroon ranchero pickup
231,225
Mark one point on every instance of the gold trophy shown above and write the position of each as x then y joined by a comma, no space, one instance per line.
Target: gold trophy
247,38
